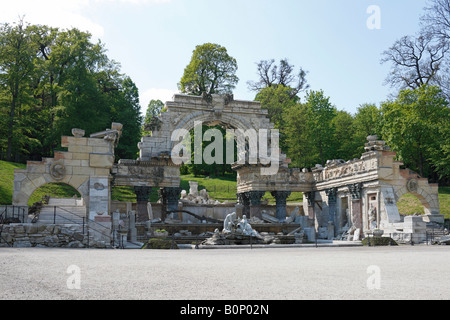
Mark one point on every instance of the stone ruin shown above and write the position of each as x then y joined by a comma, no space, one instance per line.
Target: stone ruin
343,200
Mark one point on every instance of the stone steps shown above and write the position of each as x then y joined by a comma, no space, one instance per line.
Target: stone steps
64,215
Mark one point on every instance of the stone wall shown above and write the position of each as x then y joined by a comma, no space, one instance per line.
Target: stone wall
47,235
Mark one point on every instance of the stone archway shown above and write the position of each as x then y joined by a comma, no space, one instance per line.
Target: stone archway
427,197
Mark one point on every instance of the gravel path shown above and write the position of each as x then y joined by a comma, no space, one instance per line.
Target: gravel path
419,272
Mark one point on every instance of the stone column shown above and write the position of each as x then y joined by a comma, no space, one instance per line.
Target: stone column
170,198
143,196
332,202
245,202
281,198
310,197
356,213
255,203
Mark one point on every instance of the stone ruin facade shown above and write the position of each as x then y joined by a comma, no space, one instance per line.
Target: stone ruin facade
355,197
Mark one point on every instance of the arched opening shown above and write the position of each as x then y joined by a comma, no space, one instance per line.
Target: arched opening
411,204
58,203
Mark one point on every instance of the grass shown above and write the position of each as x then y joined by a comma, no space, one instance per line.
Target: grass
410,204
7,179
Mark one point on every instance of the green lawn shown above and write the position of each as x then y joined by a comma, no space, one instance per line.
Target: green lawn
7,179
410,204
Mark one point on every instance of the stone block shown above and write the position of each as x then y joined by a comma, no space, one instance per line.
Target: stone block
80,149
77,141
97,142
80,156
103,218
86,171
98,160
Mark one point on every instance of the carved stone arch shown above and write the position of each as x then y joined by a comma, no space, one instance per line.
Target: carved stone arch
22,196
424,197
233,121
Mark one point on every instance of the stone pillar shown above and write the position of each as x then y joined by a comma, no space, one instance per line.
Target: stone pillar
132,235
332,202
169,198
310,197
281,198
244,200
356,213
143,196
255,203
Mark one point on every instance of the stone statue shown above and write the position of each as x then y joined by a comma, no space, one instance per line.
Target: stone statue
229,222
372,217
150,211
246,228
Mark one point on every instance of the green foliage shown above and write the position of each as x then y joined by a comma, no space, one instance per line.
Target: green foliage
417,126
53,80
211,71
160,244
155,107
379,241
319,123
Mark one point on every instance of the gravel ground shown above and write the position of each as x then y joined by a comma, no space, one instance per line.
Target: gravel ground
400,273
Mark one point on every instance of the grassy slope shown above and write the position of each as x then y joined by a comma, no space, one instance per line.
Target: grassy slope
219,189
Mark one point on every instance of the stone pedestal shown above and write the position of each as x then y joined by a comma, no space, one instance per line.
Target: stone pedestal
143,196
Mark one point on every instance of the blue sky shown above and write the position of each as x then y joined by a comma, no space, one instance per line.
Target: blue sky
153,39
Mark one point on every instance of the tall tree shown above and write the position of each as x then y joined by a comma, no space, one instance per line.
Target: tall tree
16,65
423,59
210,71
151,116
320,114
284,75
416,125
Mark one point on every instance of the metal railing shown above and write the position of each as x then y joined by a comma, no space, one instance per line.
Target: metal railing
18,212
85,223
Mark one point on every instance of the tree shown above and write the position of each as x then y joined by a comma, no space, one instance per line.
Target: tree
423,59
53,80
283,75
298,145
416,61
320,130
151,117
436,19
344,132
416,125
277,100
367,122
210,71
16,65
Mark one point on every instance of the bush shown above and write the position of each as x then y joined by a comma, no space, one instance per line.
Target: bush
379,241
160,244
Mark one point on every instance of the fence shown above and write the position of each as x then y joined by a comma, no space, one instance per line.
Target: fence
10,213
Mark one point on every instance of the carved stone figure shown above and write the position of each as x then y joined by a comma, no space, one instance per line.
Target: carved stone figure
229,222
372,217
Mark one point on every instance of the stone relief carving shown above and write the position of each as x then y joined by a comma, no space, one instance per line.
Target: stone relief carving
57,170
